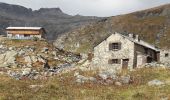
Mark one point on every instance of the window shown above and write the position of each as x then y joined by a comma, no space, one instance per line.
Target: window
26,35
114,46
114,61
166,55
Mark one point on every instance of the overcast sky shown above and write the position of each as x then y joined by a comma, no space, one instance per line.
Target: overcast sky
91,7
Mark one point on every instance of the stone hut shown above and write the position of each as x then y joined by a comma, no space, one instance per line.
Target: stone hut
165,57
123,52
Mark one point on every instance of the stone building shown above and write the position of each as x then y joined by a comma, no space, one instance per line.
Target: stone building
123,52
165,57
25,32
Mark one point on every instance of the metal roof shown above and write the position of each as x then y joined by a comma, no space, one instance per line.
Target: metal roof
24,28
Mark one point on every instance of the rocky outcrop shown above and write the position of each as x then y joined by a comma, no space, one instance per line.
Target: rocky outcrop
8,58
33,59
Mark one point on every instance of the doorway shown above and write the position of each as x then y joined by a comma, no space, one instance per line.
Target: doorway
125,63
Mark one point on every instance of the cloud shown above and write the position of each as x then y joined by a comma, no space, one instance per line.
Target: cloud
91,7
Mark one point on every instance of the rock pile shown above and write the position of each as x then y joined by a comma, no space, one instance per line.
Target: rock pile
35,61
104,78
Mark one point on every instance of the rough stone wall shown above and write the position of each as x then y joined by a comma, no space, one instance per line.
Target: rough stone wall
163,58
102,53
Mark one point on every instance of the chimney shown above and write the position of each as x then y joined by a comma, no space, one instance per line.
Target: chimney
131,35
137,37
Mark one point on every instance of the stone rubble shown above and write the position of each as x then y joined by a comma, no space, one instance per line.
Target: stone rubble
21,62
104,78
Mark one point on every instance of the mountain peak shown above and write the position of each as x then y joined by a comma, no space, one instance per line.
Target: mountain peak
51,10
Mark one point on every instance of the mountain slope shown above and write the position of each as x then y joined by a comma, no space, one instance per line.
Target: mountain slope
53,19
153,25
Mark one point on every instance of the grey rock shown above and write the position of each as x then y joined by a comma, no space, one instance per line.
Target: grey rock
45,49
26,71
156,83
109,82
34,58
125,79
92,79
28,59
118,83
21,53
29,65
10,48
8,58
83,78
36,86
76,73
79,81
106,75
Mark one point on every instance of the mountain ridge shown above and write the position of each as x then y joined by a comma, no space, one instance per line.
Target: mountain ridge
152,25
52,19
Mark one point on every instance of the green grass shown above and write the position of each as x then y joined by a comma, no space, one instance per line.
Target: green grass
63,87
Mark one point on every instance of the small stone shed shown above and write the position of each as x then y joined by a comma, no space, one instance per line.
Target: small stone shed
165,57
119,52
25,32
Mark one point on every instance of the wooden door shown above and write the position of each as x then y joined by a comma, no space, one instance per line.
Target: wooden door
125,64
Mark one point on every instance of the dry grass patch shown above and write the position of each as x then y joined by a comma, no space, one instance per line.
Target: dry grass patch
64,87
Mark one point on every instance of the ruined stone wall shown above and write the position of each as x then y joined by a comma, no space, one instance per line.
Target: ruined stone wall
102,53
165,57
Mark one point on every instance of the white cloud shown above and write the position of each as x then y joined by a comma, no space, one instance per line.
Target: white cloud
91,7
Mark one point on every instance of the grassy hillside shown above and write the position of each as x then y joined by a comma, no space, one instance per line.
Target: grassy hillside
63,87
153,26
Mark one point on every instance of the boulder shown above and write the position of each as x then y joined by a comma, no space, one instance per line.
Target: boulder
155,83
34,59
22,52
76,73
29,65
28,59
45,49
118,83
125,79
10,48
83,79
92,79
26,71
35,86
8,58
105,75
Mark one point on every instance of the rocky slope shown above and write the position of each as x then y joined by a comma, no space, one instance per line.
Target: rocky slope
34,59
53,19
152,25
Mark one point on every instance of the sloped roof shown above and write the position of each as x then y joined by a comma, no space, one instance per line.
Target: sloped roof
141,42
24,28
